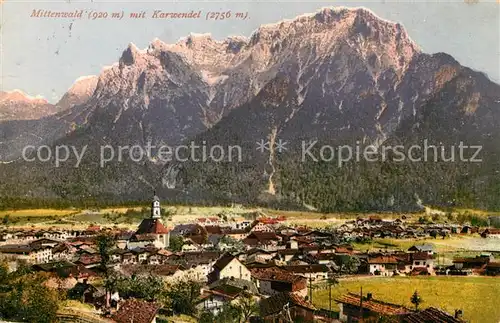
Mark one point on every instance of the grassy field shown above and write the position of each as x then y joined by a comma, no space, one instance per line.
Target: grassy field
476,296
37,213
26,217
454,244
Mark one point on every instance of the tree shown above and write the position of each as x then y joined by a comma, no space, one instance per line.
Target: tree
181,297
40,304
231,243
207,317
416,300
247,307
105,242
176,243
230,313
25,297
4,272
347,264
144,287
6,219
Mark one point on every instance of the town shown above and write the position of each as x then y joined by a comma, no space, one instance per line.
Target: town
257,269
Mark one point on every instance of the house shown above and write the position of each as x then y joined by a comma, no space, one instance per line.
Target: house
137,311
259,255
36,252
261,227
265,240
491,233
123,238
428,248
89,261
493,269
286,307
211,221
61,251
287,255
350,306
432,314
87,293
228,266
466,229
169,273
423,260
65,269
314,272
237,234
383,265
227,290
151,230
273,280
477,262
243,224
190,245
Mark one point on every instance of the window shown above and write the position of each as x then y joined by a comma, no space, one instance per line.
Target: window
417,263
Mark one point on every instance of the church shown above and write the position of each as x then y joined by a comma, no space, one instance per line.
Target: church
151,231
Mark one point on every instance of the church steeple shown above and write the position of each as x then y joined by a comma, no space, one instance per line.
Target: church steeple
155,207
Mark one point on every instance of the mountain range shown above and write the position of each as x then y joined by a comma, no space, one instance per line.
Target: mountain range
338,76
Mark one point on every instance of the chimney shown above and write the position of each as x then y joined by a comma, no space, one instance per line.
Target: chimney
458,314
368,296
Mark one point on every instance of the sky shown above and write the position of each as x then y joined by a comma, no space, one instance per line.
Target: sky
44,56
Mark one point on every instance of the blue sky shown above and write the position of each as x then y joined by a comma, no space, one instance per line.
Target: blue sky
42,56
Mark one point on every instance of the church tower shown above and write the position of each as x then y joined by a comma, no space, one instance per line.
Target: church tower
155,207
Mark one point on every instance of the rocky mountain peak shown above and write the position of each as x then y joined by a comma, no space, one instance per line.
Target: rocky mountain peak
21,97
79,92
17,105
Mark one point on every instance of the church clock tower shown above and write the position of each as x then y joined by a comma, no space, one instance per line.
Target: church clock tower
155,208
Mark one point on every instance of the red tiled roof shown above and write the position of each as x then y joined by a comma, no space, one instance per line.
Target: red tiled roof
493,265
302,269
275,303
492,231
263,236
213,229
136,311
482,260
421,256
344,250
275,274
151,226
158,270
383,260
89,260
431,314
143,237
373,305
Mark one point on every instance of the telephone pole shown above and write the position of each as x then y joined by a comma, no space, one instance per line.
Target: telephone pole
361,305
310,289
330,295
